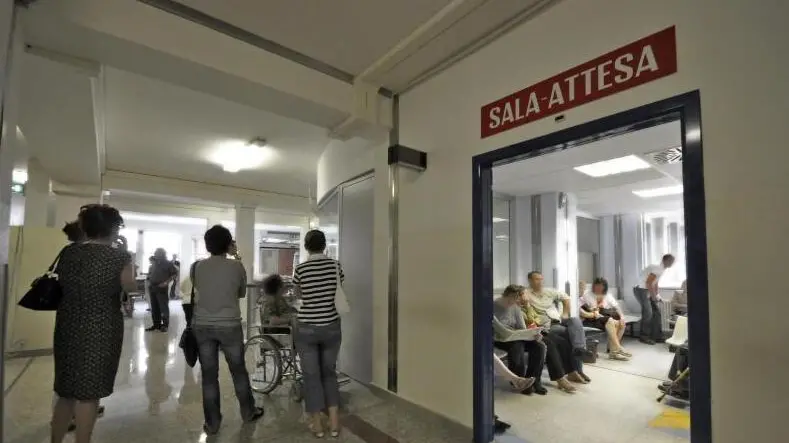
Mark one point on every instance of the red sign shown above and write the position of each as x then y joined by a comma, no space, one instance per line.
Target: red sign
640,62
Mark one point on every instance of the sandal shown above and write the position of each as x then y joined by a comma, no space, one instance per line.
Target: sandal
316,430
334,433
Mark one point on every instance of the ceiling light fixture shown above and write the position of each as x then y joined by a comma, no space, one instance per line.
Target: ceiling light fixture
659,192
235,156
499,220
613,166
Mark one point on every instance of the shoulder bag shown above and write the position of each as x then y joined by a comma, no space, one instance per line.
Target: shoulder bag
340,300
188,342
45,292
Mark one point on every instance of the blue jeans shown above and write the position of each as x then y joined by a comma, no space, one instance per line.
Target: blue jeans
318,347
231,340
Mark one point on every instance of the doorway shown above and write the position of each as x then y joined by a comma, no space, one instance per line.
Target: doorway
686,110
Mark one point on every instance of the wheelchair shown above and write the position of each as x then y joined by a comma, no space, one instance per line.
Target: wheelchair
272,359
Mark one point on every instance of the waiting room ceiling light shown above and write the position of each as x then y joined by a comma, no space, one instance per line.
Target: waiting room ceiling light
659,192
499,220
236,155
613,166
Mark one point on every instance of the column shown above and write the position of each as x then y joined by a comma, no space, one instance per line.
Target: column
245,239
37,194
521,239
559,244
67,207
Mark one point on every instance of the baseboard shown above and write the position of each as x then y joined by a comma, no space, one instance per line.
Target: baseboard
28,354
394,398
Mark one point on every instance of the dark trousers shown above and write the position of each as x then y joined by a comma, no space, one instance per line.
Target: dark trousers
188,313
160,306
210,339
651,319
679,364
517,361
559,356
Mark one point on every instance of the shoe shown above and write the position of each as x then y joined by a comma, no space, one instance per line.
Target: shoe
539,389
209,431
153,328
576,378
585,377
163,329
625,353
616,355
564,385
259,413
499,427
522,384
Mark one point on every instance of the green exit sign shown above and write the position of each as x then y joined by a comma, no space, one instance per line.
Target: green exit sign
18,188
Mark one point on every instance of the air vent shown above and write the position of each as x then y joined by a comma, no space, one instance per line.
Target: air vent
667,157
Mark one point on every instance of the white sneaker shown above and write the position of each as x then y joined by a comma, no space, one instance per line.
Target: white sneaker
616,355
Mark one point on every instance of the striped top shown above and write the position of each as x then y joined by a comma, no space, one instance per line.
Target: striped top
317,282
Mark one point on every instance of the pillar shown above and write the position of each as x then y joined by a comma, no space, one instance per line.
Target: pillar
245,240
37,194
559,244
520,239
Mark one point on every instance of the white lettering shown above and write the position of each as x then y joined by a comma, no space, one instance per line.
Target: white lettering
493,116
507,117
533,106
647,61
518,114
603,71
571,87
557,97
623,68
588,79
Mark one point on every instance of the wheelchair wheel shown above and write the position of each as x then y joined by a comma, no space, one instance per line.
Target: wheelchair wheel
264,363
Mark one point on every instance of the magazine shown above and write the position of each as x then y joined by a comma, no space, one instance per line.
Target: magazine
505,334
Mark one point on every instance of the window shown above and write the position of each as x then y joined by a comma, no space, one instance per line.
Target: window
665,234
131,236
501,243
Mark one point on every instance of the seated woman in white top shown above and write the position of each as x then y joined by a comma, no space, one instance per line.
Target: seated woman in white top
679,303
600,310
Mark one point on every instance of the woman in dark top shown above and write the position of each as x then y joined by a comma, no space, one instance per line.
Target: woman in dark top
89,322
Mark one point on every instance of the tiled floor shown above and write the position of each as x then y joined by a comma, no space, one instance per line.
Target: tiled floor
617,407
158,399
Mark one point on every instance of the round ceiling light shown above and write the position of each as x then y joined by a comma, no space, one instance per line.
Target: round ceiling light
236,155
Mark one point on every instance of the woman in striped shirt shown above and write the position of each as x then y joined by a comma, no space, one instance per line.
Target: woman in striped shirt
318,333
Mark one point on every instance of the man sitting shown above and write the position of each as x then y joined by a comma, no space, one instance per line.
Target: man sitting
545,302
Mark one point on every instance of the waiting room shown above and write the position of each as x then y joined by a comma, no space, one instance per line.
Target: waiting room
588,228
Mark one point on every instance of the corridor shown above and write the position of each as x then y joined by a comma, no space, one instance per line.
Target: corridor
157,399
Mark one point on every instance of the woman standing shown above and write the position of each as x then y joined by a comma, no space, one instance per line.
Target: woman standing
89,322
318,332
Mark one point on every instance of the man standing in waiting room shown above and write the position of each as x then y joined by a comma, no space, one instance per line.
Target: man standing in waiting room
161,273
647,292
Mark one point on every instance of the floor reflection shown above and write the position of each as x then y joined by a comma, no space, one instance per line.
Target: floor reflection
158,399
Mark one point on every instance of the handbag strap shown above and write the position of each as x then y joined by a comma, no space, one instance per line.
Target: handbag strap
54,266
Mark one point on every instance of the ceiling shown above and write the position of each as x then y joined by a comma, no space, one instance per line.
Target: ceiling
605,195
156,128
56,117
391,43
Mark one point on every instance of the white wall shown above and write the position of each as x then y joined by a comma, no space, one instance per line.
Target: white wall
731,51
341,161
521,241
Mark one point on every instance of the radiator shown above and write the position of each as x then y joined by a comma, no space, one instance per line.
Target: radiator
665,313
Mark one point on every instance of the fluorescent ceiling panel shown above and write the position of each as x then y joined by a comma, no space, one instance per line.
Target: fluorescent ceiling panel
659,192
613,166
499,220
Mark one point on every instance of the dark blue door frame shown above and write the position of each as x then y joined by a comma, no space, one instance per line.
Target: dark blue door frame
687,109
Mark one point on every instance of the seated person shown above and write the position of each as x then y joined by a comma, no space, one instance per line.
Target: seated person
678,364
679,302
545,302
507,315
276,314
600,310
563,367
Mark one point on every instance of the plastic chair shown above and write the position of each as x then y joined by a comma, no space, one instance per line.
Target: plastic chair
680,335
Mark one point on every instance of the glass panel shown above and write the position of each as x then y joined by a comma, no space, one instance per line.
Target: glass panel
501,244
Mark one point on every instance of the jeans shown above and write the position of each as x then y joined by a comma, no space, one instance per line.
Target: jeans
318,347
651,319
160,306
231,340
517,362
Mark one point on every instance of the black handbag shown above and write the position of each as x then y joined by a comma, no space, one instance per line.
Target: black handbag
45,292
188,342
